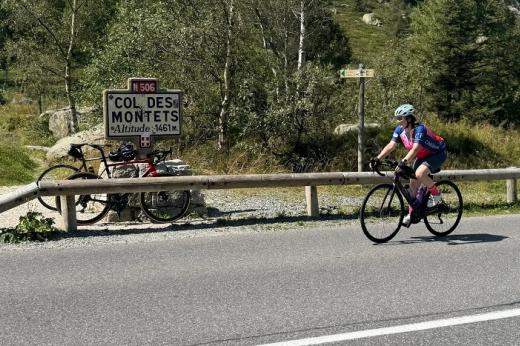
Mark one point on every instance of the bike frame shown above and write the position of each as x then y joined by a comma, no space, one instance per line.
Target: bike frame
402,189
150,168
398,185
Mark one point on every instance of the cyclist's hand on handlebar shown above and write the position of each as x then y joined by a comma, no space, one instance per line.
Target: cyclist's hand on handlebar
374,163
405,168
402,164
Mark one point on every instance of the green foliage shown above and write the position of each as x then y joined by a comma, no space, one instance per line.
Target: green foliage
247,157
452,58
268,96
466,50
32,227
40,39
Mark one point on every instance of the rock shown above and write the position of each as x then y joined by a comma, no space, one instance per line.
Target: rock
514,9
47,113
345,129
133,211
59,120
370,19
481,39
60,149
37,147
21,101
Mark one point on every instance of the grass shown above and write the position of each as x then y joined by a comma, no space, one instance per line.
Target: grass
366,40
20,125
16,166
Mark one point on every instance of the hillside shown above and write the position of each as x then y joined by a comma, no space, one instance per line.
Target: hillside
316,148
367,41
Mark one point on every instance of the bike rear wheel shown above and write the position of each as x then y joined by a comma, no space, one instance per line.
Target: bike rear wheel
58,172
90,208
381,213
165,206
442,219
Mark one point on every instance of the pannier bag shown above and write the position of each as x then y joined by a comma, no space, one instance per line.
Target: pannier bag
75,152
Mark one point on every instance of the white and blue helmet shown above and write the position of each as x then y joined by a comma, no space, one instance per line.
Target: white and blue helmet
405,110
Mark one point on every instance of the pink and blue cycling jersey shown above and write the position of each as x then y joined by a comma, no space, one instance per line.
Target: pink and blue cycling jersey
429,141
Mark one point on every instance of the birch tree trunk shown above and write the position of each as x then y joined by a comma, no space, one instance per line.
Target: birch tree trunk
73,126
301,51
267,45
224,108
285,52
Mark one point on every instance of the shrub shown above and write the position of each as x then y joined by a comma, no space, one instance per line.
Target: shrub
32,227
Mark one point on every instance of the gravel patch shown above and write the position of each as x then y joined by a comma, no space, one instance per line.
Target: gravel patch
228,211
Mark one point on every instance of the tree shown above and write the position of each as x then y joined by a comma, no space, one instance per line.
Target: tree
5,35
236,61
55,37
466,50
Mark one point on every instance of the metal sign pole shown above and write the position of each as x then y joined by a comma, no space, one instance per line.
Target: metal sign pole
361,73
361,118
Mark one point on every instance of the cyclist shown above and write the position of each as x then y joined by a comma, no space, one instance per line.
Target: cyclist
427,148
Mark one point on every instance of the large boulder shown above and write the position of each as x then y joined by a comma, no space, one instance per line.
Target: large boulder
21,100
60,149
515,8
370,19
59,120
346,129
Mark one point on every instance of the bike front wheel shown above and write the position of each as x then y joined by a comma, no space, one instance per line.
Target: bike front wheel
58,172
443,218
90,208
381,213
165,206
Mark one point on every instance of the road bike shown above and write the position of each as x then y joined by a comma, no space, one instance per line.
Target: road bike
383,208
162,206
63,171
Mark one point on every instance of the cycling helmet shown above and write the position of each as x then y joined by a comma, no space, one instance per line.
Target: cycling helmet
125,152
405,110
128,153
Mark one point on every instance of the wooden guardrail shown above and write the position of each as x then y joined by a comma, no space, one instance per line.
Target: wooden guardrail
67,189
20,196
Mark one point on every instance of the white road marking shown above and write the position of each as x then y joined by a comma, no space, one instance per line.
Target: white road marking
401,329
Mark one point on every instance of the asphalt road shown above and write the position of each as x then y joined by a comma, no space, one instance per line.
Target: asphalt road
247,288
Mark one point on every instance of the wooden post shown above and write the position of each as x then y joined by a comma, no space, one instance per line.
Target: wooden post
361,116
68,213
511,191
311,195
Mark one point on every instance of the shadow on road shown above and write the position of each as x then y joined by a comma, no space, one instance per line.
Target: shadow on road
200,224
455,239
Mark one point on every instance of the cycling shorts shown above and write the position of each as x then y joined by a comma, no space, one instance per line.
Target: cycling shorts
433,162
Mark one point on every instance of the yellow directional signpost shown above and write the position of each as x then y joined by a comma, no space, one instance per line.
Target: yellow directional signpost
349,73
361,73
